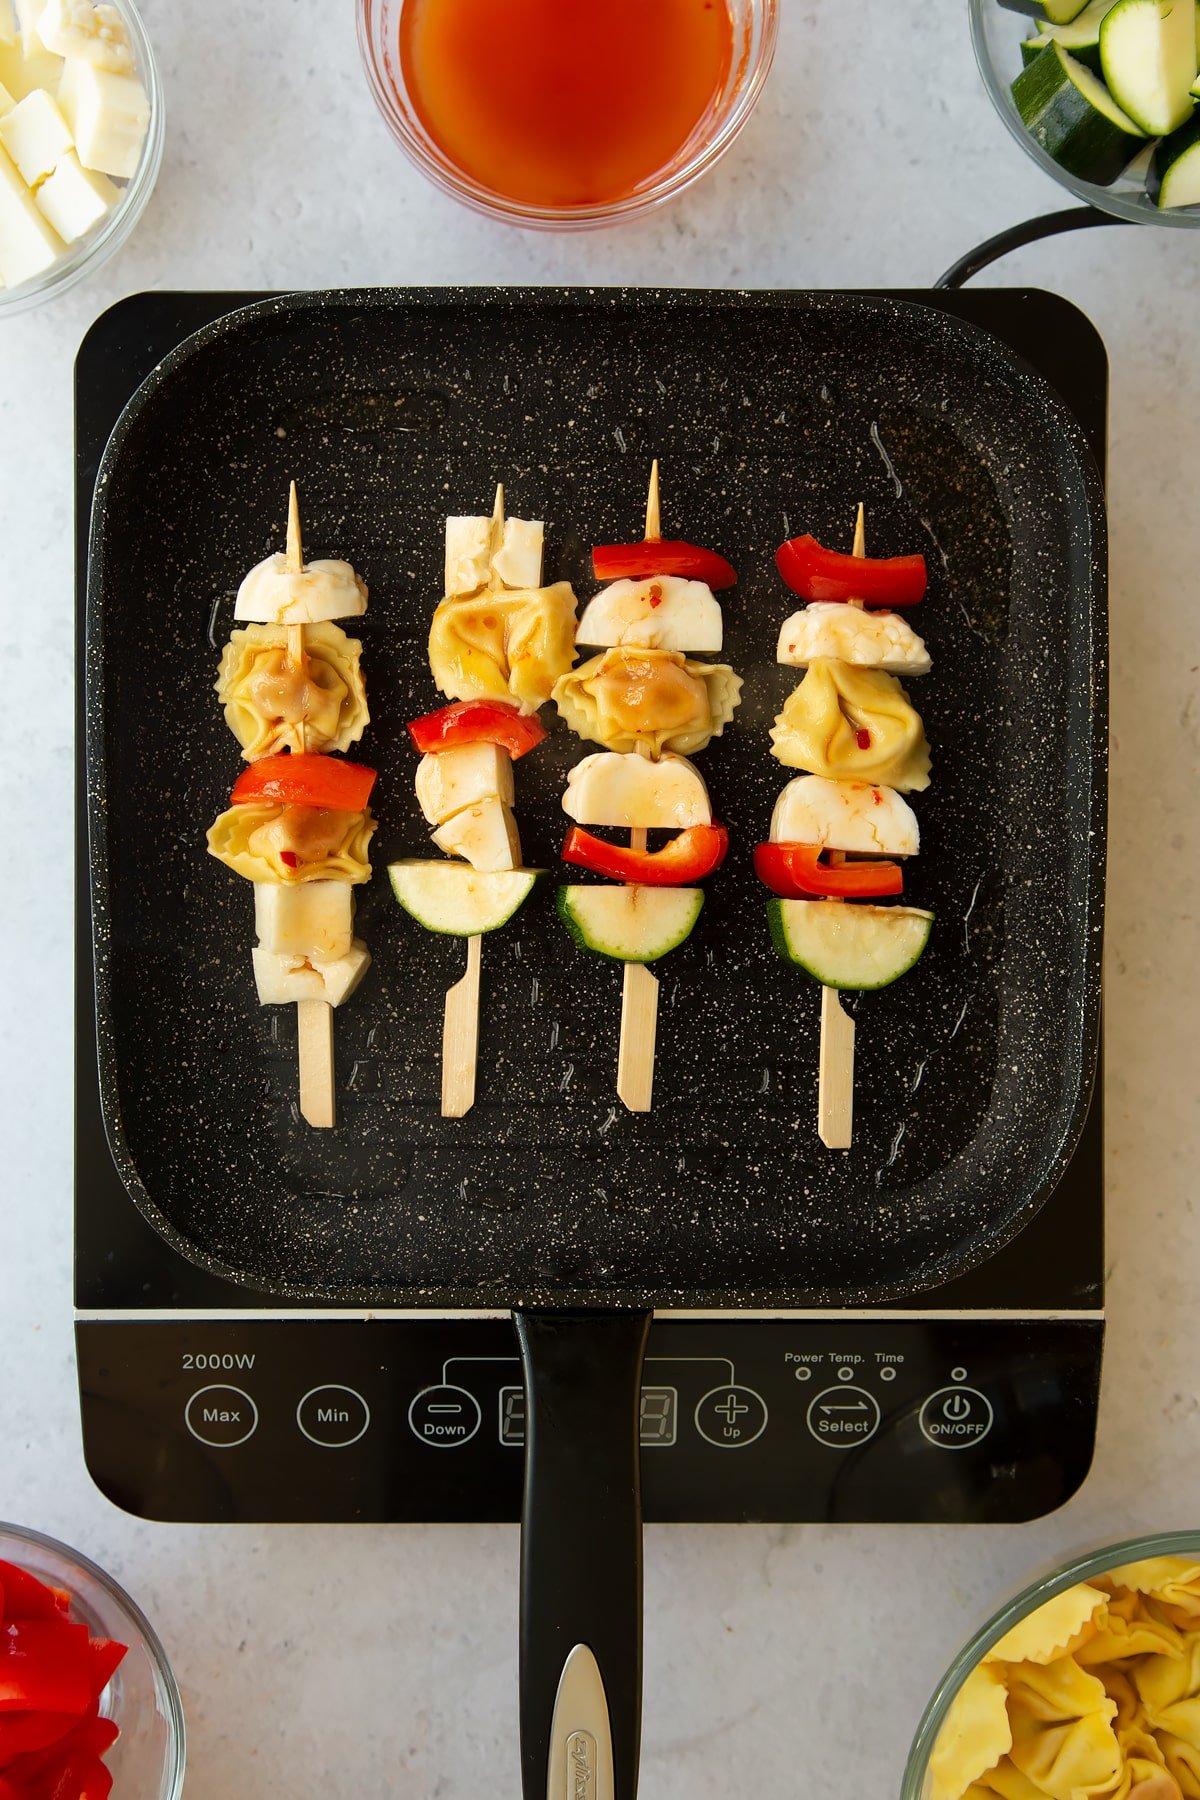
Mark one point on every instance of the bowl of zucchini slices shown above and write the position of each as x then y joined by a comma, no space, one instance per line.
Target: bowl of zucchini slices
1104,94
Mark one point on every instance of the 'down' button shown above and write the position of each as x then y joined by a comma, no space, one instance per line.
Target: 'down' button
221,1416
956,1417
333,1416
445,1416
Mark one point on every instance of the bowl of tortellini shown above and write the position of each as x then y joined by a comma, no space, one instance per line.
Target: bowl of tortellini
1086,1685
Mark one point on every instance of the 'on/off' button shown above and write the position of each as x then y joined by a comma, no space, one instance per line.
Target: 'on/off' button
956,1417
221,1416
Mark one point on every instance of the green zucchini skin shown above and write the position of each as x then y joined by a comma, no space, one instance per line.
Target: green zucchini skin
1084,138
1176,167
1087,54
1056,12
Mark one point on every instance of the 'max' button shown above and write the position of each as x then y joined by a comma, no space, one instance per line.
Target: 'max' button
221,1416
333,1416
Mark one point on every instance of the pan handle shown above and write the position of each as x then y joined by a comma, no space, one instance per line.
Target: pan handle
581,1554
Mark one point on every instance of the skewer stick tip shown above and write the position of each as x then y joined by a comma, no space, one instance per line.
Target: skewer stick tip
860,532
653,507
295,544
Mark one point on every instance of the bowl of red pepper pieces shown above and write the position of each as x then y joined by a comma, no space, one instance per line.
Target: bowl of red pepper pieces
88,1704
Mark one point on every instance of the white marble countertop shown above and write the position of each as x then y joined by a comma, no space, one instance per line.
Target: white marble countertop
364,1662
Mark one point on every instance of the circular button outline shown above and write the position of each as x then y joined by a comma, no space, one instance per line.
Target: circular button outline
333,1387
221,1387
731,1387
966,1443
844,1443
445,1387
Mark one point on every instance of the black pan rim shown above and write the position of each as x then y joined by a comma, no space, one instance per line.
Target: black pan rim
1085,1032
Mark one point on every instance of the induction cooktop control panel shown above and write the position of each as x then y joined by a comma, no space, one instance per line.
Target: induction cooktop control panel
843,1417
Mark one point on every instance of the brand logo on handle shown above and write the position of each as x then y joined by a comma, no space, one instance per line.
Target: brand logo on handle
581,1766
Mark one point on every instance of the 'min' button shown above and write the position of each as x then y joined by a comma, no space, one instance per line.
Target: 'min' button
221,1416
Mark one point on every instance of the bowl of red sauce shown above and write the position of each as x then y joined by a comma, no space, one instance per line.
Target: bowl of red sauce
559,114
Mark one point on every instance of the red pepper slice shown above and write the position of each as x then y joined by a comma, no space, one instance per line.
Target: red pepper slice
819,574
689,857
477,722
796,870
23,1596
82,1777
44,1666
662,556
293,780
104,1657
24,1732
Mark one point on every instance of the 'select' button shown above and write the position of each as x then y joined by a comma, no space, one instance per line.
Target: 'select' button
956,1417
333,1416
221,1416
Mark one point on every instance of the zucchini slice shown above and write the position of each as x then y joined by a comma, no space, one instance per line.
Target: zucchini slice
1174,178
856,947
1087,54
1081,37
630,924
1055,12
454,898
1148,56
1074,118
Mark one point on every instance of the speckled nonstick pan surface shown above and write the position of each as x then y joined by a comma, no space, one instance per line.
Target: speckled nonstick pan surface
772,413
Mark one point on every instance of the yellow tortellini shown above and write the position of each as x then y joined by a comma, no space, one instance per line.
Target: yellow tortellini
1063,1738
1101,1697
509,645
272,704
975,1736
268,841
853,724
655,700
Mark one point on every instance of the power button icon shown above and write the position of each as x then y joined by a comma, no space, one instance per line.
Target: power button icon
956,1417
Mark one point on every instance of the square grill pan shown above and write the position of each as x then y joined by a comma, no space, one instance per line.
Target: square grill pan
772,414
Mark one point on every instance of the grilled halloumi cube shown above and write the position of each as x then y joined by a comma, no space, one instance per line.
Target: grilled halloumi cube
470,564
449,780
313,919
284,980
852,634
632,792
845,815
664,612
485,835
273,594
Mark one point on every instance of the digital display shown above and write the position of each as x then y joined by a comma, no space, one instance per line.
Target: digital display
660,1413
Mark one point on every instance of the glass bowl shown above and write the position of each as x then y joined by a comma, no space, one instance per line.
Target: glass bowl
147,1759
996,34
755,27
106,239
917,1781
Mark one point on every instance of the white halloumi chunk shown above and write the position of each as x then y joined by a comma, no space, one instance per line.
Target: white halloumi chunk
36,136
23,74
108,114
485,835
8,22
27,26
73,199
468,554
6,100
518,562
834,631
449,780
631,791
845,815
272,594
286,980
663,612
98,34
27,244
311,919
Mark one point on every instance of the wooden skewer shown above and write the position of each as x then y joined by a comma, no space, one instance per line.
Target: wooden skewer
639,992
314,1018
835,1077
460,1020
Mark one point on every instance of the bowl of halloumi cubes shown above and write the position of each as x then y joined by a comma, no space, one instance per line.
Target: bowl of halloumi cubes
81,136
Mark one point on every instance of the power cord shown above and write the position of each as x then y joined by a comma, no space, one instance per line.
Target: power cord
1071,218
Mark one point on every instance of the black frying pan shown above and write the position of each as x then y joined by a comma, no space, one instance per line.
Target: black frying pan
772,414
